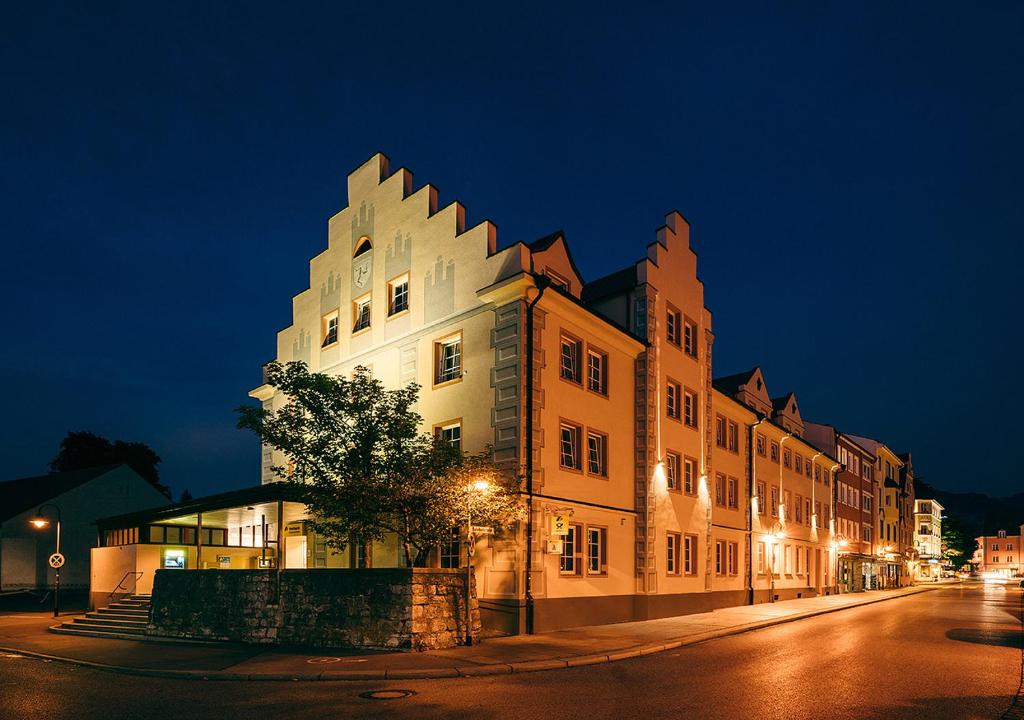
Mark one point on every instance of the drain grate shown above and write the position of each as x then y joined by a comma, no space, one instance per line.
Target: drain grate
386,694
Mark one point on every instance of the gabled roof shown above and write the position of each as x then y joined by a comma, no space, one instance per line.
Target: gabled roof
779,403
730,384
541,245
17,496
617,282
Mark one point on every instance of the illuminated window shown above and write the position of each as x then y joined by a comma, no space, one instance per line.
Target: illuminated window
448,360
690,554
569,447
398,295
570,364
690,408
597,450
597,371
329,329
673,552
597,555
690,337
361,314
672,400
673,326
363,246
571,561
760,558
690,476
672,471
761,445
450,434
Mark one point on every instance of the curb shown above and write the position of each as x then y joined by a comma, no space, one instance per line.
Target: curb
458,671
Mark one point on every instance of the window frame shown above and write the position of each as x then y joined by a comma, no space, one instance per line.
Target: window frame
394,283
568,339
563,425
595,351
439,345
441,427
325,322
602,439
364,300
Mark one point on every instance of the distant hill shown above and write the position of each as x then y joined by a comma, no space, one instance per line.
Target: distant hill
976,513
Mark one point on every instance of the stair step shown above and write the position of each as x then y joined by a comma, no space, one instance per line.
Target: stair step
68,629
129,606
124,611
104,614
100,622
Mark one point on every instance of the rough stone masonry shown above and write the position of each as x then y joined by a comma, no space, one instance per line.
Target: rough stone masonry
399,608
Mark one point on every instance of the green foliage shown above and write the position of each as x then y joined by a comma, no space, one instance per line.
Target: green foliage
366,467
957,547
81,450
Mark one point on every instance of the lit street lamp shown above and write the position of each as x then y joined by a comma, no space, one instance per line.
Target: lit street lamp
39,522
479,486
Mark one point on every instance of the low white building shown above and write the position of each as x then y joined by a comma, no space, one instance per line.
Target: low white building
83,496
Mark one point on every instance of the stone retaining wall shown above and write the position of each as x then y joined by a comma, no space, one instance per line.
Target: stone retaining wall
408,608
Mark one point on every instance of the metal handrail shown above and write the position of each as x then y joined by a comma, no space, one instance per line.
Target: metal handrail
136,574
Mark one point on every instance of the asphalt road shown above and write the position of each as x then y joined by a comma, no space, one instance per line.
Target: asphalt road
953,653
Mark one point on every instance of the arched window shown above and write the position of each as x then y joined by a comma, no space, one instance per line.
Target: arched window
363,246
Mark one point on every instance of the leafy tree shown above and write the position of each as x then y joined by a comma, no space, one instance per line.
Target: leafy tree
957,547
185,496
366,467
80,450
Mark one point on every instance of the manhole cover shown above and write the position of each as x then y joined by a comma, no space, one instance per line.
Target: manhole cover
386,694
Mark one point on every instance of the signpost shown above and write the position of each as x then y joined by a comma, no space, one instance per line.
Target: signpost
56,561
560,524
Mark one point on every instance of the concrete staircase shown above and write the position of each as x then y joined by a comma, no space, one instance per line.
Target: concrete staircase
126,619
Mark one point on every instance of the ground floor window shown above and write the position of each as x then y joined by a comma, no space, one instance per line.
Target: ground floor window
451,551
672,547
571,561
690,555
597,557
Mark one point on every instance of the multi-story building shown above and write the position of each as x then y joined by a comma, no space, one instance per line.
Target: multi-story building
790,485
893,548
856,512
999,554
928,537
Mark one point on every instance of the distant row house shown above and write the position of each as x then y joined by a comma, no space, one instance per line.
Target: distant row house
654,488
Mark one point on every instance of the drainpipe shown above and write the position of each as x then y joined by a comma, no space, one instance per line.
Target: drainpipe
542,284
751,493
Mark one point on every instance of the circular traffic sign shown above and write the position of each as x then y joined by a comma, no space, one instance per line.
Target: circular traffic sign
56,561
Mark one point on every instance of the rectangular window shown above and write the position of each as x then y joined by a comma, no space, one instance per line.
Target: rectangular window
450,434
807,511
451,550
398,295
673,326
571,561
817,514
690,337
597,371
732,492
787,504
672,400
799,509
733,550
569,448
690,408
690,554
361,314
775,501
690,476
597,558
571,358
761,497
817,473
734,437
672,471
799,464
775,452
673,545
760,558
787,458
597,453
719,557
761,444
720,489
720,431
329,329
448,360
799,559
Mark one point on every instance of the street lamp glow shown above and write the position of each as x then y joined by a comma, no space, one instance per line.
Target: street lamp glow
844,543
481,485
39,523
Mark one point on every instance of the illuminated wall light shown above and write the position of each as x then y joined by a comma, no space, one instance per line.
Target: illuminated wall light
660,478
702,489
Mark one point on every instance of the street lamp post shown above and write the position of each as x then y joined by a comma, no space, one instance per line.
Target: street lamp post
39,522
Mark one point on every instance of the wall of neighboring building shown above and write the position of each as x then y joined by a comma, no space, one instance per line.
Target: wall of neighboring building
118,491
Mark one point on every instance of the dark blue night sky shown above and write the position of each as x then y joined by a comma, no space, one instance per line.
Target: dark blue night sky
852,173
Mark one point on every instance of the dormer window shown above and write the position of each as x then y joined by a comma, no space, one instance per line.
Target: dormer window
363,246
557,280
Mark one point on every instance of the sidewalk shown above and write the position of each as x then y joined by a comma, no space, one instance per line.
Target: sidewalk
26,634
